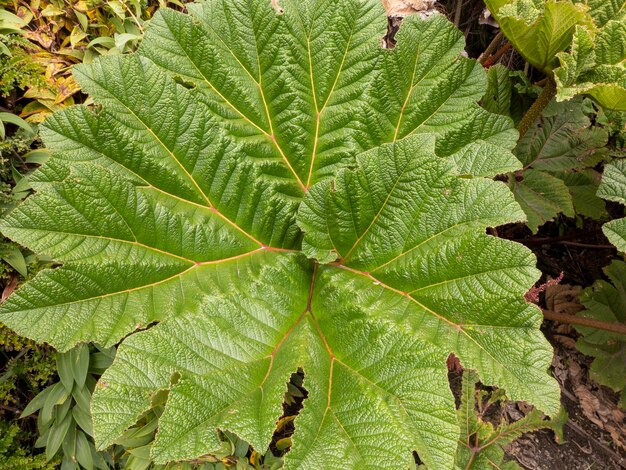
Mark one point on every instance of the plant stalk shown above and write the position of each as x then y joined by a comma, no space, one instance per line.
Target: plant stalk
548,92
492,59
491,47
618,328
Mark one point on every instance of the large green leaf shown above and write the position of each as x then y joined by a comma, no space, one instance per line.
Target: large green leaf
234,147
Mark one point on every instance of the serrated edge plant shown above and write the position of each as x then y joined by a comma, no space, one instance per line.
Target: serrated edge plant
578,45
482,442
246,202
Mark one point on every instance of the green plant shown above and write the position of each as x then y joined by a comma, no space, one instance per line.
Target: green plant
558,153
15,159
595,62
64,418
539,29
17,67
613,188
13,454
26,368
481,443
577,43
606,301
43,39
276,205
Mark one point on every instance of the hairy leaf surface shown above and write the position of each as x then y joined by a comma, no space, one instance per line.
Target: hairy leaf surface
278,193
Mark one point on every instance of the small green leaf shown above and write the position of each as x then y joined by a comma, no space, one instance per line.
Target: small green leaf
18,121
80,364
83,451
497,98
82,397
36,403
65,365
138,437
4,50
57,435
58,394
39,156
69,444
582,186
60,411
83,419
68,464
541,196
13,255
283,443
99,362
562,139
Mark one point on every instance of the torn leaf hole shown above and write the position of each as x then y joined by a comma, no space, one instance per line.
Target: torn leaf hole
292,404
184,83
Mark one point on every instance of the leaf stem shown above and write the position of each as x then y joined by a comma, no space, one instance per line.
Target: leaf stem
457,12
548,92
490,48
618,328
496,56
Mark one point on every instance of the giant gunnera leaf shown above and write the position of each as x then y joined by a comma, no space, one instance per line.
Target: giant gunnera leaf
257,193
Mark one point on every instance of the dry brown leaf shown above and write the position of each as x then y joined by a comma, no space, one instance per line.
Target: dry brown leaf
276,6
564,298
605,417
403,8
564,339
591,406
486,18
9,288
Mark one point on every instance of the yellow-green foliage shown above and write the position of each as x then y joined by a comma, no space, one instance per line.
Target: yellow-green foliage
14,455
27,368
